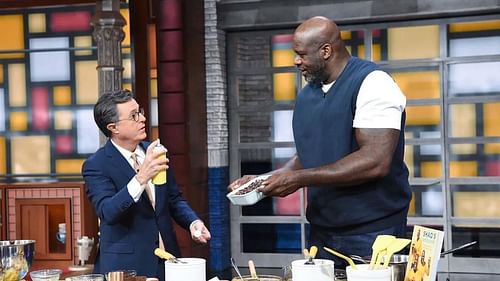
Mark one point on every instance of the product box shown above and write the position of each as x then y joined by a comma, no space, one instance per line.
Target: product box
425,251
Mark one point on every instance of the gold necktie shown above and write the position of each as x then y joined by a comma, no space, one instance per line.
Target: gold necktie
148,187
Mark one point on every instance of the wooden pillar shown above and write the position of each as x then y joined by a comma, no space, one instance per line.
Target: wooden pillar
108,33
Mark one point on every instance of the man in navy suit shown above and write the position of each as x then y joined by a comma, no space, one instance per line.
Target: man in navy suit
135,215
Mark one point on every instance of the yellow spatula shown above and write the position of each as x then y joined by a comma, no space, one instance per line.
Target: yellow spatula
312,254
348,259
395,247
380,244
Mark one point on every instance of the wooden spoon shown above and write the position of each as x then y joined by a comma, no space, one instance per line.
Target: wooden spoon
380,244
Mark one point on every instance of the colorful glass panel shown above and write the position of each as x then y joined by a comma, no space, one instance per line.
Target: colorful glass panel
37,23
1,74
87,131
40,108
126,41
463,168
474,78
31,154
70,21
57,60
418,84
491,116
63,120
18,121
474,26
12,28
423,115
69,166
493,168
462,120
285,87
3,155
64,144
417,42
86,82
83,42
17,91
2,110
465,204
282,48
62,95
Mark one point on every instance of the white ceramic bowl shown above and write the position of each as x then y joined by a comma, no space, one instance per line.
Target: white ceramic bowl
248,198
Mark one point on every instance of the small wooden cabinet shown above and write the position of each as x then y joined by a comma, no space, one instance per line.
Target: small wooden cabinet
35,210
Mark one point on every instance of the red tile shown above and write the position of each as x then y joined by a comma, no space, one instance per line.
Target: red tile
40,108
171,45
64,144
171,77
170,14
70,21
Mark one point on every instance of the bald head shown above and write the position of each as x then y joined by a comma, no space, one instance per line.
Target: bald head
317,31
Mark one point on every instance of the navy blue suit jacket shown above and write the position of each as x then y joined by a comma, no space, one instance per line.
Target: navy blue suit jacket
129,230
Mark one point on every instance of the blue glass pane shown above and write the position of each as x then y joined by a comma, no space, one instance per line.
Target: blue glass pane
51,65
87,132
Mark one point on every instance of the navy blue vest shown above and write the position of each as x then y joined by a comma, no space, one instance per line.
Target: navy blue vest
324,133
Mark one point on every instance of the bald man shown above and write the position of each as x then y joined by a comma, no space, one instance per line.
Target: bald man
348,125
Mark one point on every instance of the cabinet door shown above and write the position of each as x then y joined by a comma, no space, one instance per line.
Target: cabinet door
39,220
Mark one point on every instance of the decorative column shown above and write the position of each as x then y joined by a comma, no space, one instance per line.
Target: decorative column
108,33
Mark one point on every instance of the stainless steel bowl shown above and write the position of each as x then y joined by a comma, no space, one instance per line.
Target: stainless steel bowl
16,258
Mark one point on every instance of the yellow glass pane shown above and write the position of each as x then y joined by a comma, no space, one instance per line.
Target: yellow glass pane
3,156
361,52
63,119
86,82
412,208
283,58
431,169
69,166
62,95
17,84
345,35
1,73
409,159
36,23
463,169
418,84
83,42
127,68
127,86
12,28
126,41
463,149
492,148
491,117
153,84
463,120
476,204
30,154
18,121
376,52
423,115
284,86
413,42
475,26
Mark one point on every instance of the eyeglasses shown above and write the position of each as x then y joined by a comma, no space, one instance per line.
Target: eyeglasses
135,116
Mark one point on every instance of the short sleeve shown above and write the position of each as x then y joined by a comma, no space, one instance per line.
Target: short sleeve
380,102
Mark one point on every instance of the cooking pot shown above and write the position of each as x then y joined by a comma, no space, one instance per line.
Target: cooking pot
16,258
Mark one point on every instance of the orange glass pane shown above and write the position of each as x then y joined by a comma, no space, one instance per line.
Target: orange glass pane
492,148
12,28
31,154
431,169
62,95
463,168
283,58
69,166
491,117
1,73
418,84
345,35
475,26
3,156
423,115
284,86
126,41
152,45
18,121
417,42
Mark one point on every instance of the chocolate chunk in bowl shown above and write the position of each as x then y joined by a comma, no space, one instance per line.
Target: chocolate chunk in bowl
247,194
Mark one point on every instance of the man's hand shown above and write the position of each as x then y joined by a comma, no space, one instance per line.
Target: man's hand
239,182
152,164
199,232
281,184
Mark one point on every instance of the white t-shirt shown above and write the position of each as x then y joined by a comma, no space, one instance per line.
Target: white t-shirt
380,102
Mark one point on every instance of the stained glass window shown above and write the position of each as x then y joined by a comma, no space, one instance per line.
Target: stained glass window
48,86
